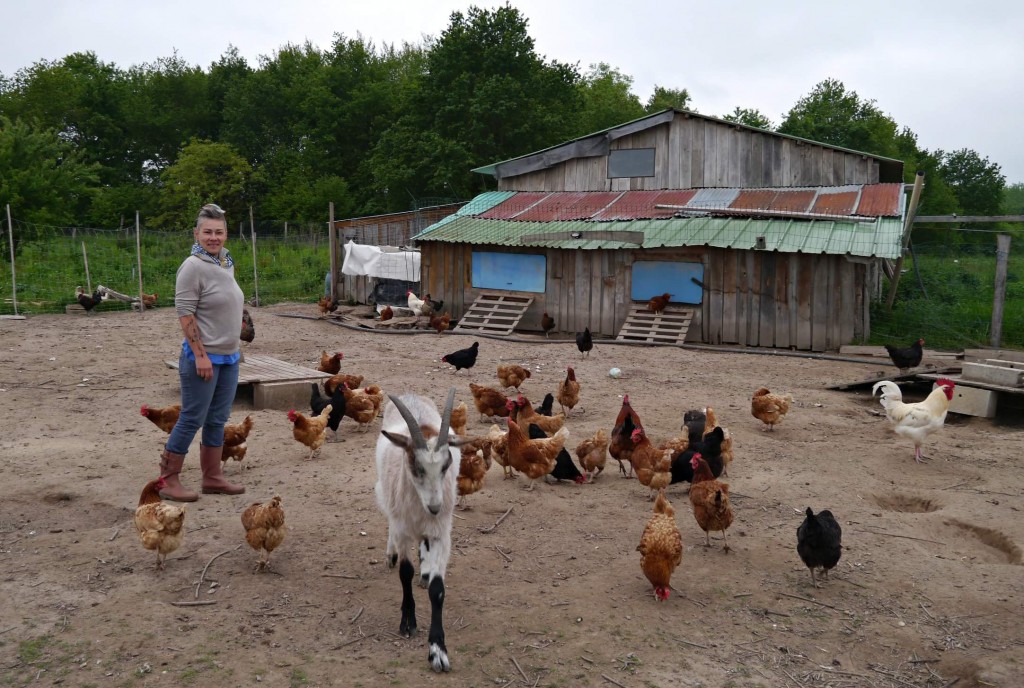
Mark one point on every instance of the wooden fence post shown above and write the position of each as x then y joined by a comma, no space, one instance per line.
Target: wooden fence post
85,259
10,244
1002,258
138,255
908,225
332,236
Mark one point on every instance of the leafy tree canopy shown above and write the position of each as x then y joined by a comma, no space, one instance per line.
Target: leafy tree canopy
976,182
205,172
750,117
607,99
663,98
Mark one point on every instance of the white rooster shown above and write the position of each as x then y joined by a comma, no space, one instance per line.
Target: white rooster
919,420
415,304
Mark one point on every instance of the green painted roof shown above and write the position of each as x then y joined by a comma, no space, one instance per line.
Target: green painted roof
880,238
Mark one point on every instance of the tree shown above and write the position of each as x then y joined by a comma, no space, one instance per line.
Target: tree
663,98
750,117
1013,199
977,183
607,98
831,114
205,172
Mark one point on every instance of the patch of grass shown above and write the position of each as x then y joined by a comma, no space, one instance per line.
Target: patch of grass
298,678
32,650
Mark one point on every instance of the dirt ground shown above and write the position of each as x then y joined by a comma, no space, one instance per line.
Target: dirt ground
928,591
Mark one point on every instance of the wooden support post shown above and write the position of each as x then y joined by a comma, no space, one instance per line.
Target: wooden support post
1002,258
85,259
332,235
138,257
255,281
908,224
10,244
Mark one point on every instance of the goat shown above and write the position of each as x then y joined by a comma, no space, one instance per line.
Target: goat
416,490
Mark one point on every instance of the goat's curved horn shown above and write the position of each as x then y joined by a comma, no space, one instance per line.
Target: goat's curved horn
446,419
415,432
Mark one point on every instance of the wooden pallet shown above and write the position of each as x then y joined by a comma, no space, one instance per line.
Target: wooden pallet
668,327
256,369
494,314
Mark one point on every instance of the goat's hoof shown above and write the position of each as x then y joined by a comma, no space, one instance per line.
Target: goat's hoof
392,560
407,628
424,579
438,658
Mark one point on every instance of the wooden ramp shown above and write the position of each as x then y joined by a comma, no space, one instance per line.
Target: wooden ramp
494,314
668,327
273,383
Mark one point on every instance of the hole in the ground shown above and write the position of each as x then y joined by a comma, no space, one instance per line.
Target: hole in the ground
907,503
58,497
992,538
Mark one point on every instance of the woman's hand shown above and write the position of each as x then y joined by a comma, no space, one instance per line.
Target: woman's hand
204,368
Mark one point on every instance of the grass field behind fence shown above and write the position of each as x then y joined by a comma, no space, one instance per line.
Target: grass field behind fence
953,312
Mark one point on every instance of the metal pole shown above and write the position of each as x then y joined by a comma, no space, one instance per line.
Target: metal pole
138,257
1002,258
10,243
908,225
85,259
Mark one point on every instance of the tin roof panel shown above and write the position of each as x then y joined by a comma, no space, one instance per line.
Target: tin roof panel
841,203
881,200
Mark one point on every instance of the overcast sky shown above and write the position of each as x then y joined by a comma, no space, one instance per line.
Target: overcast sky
951,71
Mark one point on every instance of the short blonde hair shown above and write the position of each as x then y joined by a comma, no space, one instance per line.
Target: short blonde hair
210,211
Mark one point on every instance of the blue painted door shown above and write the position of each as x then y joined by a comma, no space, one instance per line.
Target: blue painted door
509,271
654,278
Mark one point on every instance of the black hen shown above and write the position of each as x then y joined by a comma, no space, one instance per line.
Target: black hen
565,468
710,449
88,302
317,404
908,357
584,342
819,542
248,328
694,421
545,408
436,305
463,358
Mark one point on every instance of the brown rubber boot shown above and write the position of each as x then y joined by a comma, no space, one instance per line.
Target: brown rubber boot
170,467
213,473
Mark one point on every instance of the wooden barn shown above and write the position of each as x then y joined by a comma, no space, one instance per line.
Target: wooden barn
770,240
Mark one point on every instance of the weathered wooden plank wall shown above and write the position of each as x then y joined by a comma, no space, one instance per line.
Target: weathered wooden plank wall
692,152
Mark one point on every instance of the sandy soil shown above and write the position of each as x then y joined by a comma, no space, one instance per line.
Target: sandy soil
929,588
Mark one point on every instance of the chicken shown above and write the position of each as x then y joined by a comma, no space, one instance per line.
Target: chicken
237,433
499,448
584,342
164,417
149,300
330,364
236,452
489,402
427,308
473,466
435,305
819,542
463,358
653,466
694,422
658,303
916,421
564,468
460,416
661,547
592,454
547,323
88,302
524,414
331,383
621,441
908,357
726,447
311,432
248,332
710,449
376,395
360,406
770,408
326,305
545,406
386,313
318,402
710,500
415,304
160,525
440,322
568,391
264,529
512,375
533,458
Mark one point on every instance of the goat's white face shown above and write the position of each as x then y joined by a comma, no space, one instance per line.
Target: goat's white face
428,468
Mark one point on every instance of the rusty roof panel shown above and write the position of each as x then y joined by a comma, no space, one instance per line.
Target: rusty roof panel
754,199
511,207
568,206
641,205
835,203
881,200
793,201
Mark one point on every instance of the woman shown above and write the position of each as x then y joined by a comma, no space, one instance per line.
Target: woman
209,305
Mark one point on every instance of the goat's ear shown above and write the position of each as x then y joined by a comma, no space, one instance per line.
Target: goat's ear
399,440
459,441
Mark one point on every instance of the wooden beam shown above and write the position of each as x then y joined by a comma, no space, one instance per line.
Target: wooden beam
1002,257
967,218
897,270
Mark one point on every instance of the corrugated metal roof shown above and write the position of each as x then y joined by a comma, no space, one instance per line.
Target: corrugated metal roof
569,206
879,238
880,199
841,203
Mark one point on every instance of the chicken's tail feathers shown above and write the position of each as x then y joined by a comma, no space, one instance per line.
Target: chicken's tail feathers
889,390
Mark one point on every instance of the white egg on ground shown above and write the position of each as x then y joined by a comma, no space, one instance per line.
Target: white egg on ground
615,373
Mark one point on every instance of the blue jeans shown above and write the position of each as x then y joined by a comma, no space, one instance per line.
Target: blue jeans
205,405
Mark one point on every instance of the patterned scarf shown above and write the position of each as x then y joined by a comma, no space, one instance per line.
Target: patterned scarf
224,262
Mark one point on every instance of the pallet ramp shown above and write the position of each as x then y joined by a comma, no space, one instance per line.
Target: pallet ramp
668,327
274,383
497,314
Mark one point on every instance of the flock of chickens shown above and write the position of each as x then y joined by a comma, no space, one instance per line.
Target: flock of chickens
533,443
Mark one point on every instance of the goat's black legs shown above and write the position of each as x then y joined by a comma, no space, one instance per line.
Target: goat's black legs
438,653
408,625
